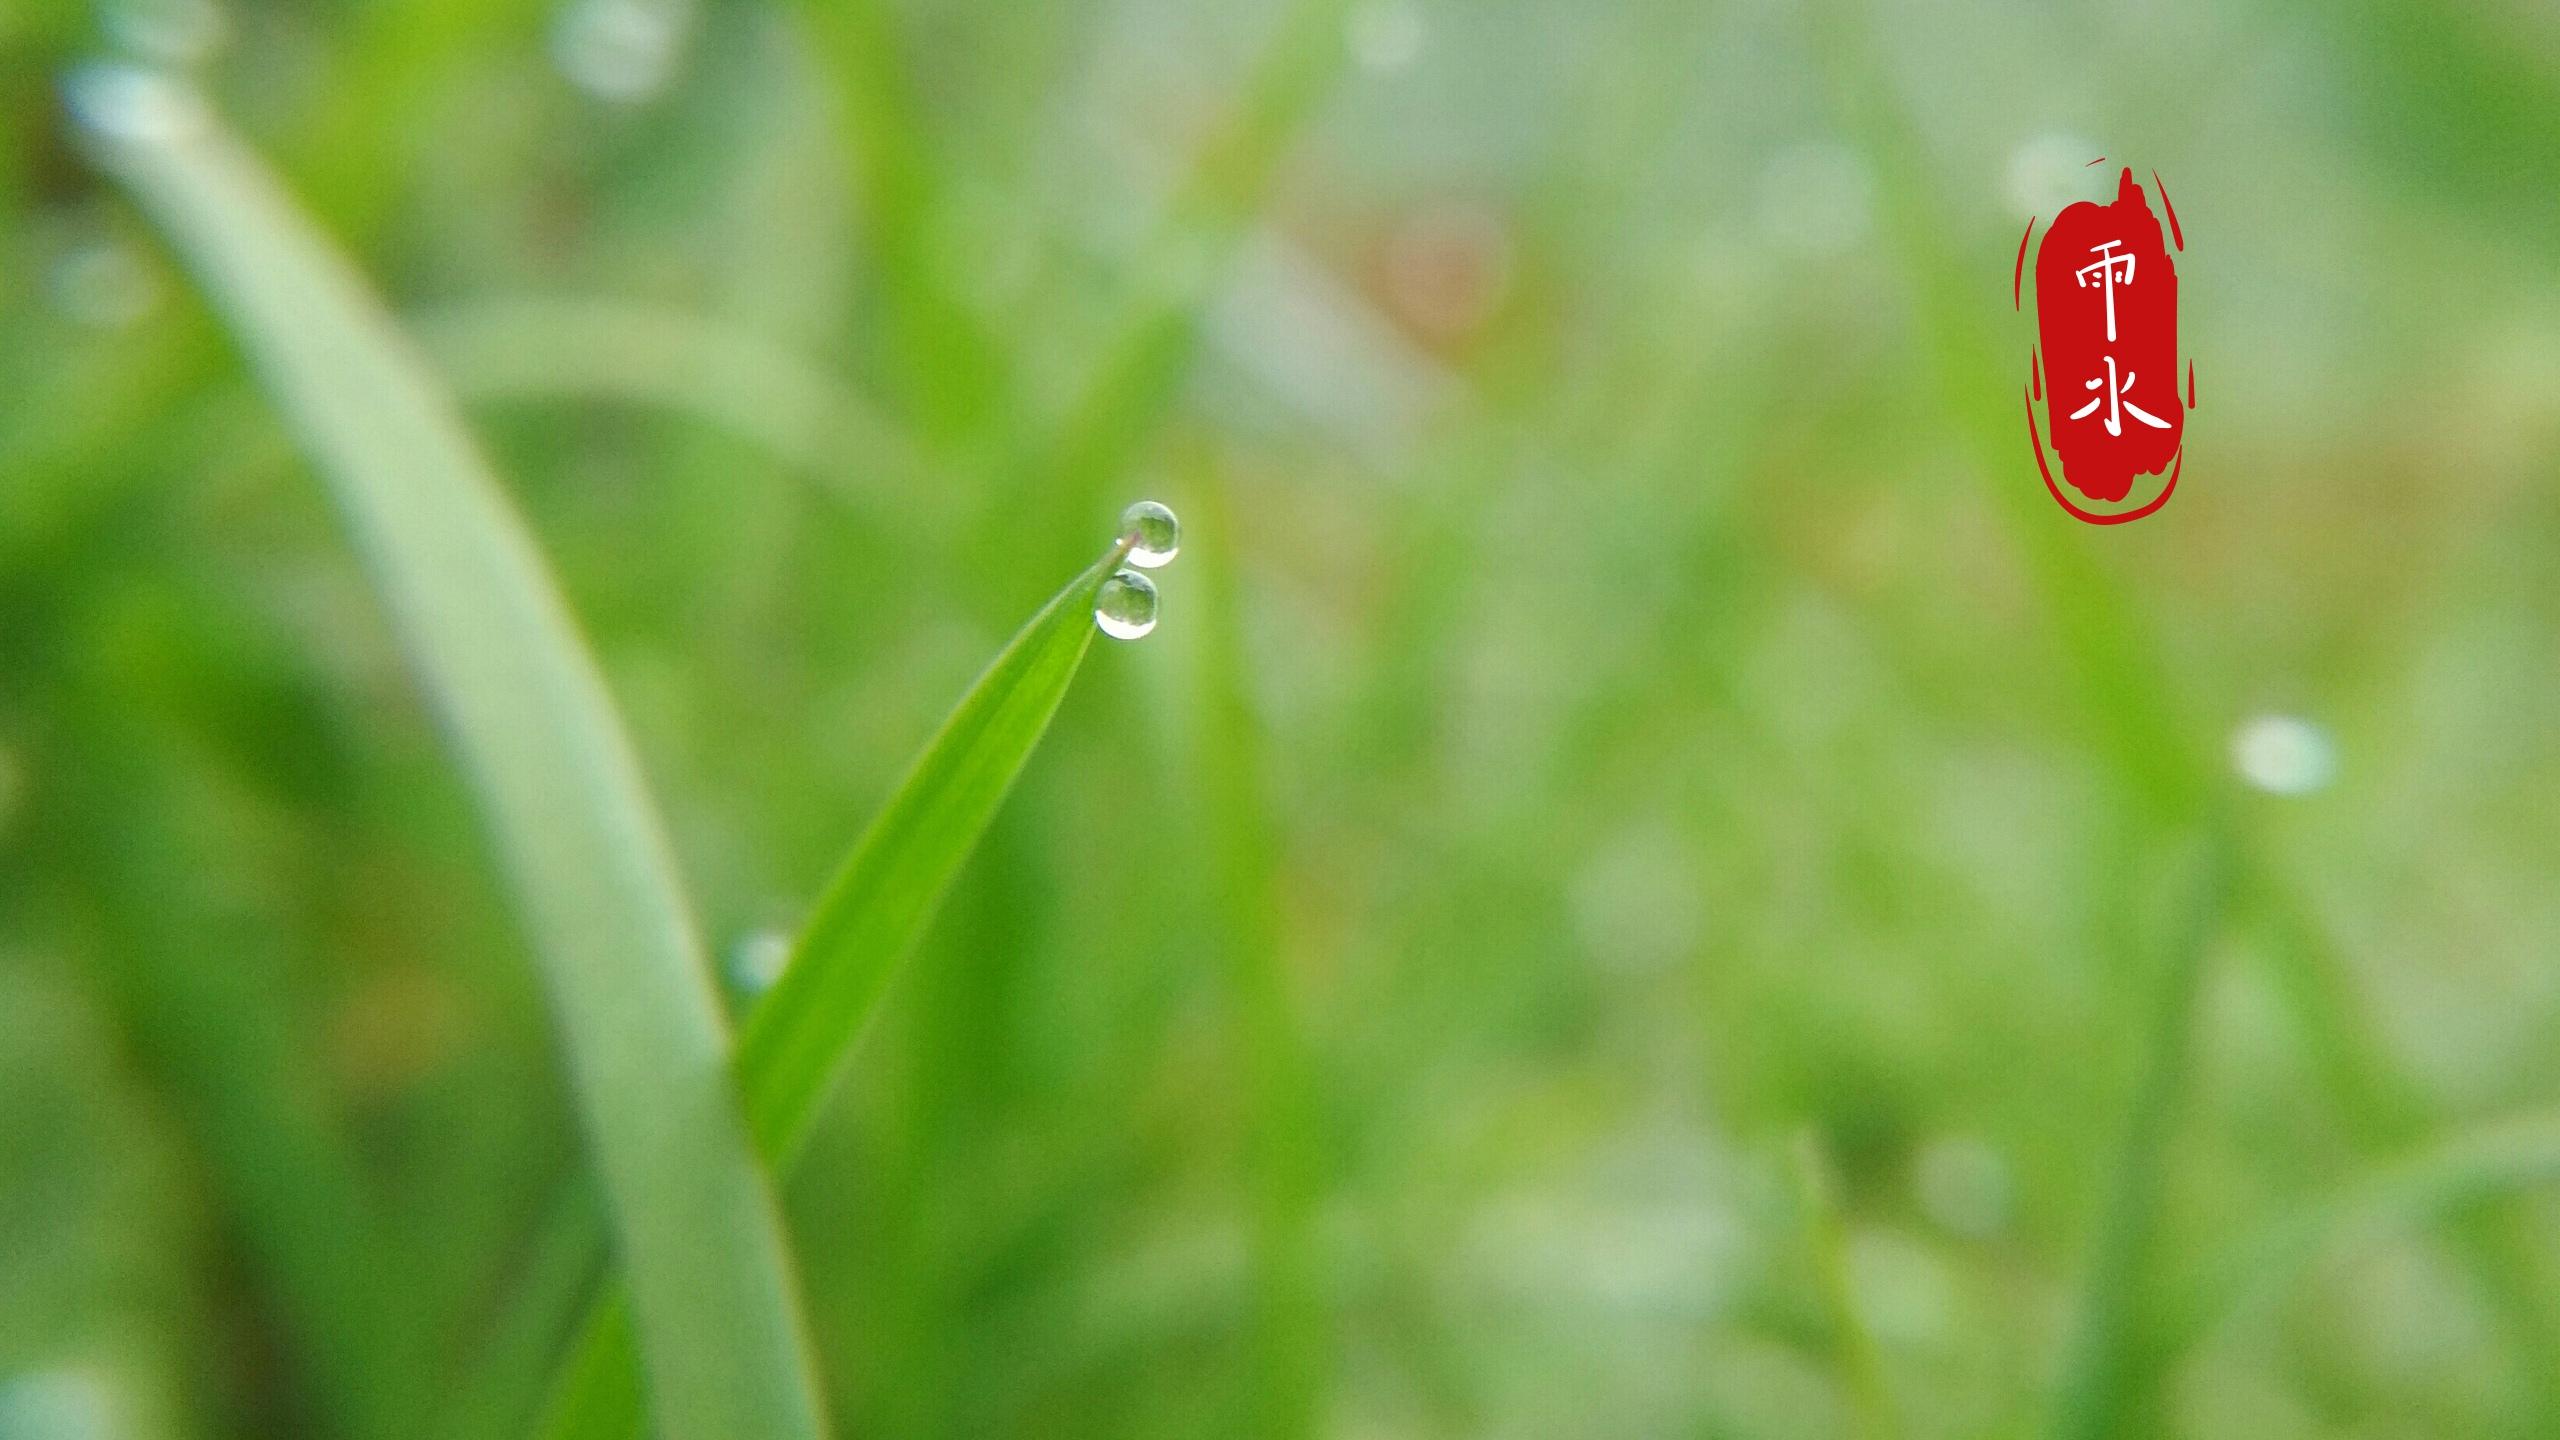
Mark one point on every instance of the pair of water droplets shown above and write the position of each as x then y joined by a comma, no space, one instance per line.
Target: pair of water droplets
1125,607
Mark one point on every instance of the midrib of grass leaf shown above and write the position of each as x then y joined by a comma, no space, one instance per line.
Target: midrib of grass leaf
799,1038
697,1230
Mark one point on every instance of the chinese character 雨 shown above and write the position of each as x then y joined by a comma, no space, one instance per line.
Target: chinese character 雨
2108,269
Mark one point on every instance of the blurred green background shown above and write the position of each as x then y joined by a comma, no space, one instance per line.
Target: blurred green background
1648,883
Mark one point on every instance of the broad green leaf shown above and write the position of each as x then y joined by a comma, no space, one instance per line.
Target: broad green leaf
698,1234
799,1038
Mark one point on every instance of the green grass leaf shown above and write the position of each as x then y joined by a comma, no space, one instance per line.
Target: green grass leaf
589,349
697,1230
1854,1349
2104,1387
1292,1323
798,1040
2494,1160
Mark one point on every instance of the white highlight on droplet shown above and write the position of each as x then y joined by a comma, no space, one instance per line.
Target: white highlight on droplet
1154,535
1125,607
2284,754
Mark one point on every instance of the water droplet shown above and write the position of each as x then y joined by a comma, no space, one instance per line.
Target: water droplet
1125,607
1155,537
624,51
2284,755
1385,35
756,960
134,104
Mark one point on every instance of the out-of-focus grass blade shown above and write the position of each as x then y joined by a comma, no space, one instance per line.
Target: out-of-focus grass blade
1292,1325
593,349
1174,276
1827,1238
503,1377
2103,1389
2387,1109
334,1272
959,371
699,1237
797,1041
2493,1160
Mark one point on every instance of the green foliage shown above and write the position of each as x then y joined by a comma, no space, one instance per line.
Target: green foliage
1647,883
798,1039
694,1220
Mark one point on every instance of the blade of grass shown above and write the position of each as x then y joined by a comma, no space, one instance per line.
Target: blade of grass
1286,1158
798,1040
1183,262
502,1377
1827,1237
958,369
2119,664
2491,1162
551,350
2387,1111
591,349
218,1039
2104,1373
699,1236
